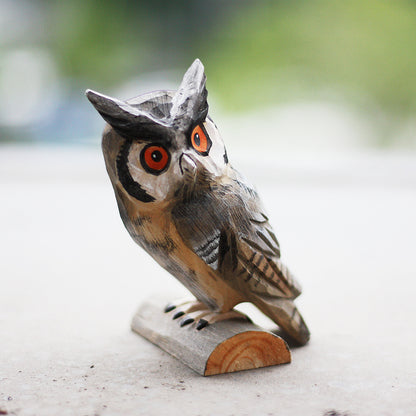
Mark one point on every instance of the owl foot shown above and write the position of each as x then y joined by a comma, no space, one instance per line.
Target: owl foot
197,312
188,309
213,317
185,306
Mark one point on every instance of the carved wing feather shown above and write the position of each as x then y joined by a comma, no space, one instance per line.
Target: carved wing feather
208,250
233,236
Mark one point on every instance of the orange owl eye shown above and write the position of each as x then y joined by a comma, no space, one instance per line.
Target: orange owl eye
200,140
155,159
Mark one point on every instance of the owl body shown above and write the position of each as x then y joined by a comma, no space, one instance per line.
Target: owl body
182,202
154,228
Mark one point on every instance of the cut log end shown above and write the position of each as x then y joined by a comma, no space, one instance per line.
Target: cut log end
246,351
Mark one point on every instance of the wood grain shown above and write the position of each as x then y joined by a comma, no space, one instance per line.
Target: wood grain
222,347
247,350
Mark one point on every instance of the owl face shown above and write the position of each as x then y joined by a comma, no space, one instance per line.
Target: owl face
163,169
163,146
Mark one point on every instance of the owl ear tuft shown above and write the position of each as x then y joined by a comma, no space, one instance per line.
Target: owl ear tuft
127,120
189,105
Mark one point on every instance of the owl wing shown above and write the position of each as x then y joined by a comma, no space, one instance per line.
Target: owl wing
259,264
229,230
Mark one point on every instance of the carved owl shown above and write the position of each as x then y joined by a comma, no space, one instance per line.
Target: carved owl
182,201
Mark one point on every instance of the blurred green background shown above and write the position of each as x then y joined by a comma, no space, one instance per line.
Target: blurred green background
356,58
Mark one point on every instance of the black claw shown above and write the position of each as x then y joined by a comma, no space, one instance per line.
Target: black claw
169,307
187,321
178,314
202,323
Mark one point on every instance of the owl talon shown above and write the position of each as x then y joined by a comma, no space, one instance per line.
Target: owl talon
202,323
186,321
178,314
169,307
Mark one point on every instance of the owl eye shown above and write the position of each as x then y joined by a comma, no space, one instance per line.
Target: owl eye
200,140
155,159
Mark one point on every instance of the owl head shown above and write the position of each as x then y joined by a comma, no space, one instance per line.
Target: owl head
162,146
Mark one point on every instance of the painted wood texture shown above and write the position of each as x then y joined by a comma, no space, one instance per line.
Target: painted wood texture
222,347
185,204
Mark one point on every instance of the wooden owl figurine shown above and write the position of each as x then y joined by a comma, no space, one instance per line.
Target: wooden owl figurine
182,202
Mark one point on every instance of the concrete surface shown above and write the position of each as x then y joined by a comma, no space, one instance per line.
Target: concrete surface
71,278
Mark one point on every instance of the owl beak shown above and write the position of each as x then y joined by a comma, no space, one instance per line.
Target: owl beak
187,165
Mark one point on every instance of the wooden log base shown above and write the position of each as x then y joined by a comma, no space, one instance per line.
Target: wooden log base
223,347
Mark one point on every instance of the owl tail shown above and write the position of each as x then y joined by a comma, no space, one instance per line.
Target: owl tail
285,313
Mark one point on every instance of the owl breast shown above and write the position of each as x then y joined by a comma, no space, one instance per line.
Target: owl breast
156,232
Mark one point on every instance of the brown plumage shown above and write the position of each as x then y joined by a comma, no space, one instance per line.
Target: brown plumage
182,201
